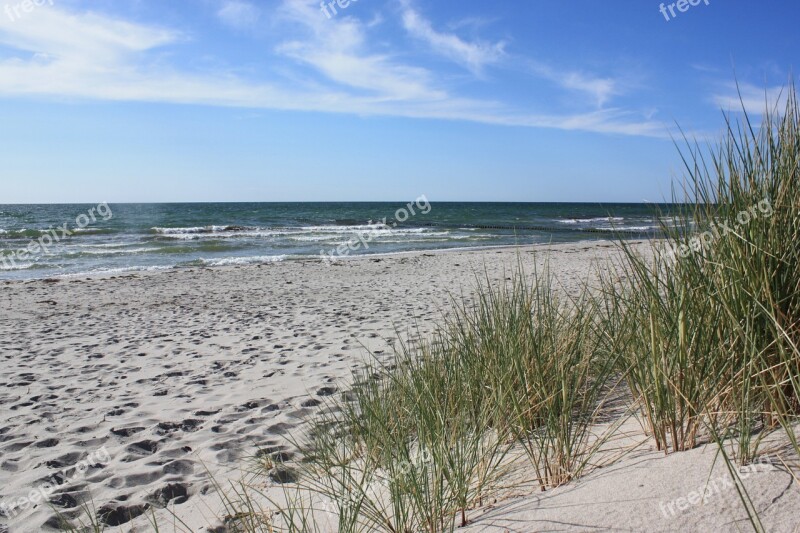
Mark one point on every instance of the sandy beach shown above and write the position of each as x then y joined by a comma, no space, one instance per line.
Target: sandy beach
399,266
128,391
175,372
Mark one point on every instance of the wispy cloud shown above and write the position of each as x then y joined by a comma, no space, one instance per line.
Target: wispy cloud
754,100
333,64
50,29
238,15
473,55
599,89
476,55
616,121
706,69
338,50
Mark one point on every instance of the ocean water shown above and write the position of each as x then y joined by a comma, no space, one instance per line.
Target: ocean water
40,241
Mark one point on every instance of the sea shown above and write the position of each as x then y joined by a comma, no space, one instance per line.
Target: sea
46,241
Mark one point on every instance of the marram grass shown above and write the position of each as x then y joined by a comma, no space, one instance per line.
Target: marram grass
704,332
419,444
708,328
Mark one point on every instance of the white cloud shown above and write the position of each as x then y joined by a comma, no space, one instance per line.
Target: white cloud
238,15
337,49
473,55
86,55
477,55
755,100
96,37
599,89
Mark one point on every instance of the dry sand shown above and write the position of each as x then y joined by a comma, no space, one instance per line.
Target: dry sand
150,381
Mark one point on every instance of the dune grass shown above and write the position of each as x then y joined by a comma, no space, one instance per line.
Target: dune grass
704,332
420,442
709,327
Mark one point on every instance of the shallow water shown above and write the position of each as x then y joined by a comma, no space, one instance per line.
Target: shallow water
125,237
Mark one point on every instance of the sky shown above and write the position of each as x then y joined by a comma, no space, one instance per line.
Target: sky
379,100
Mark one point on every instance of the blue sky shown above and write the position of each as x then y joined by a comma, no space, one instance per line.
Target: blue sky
275,100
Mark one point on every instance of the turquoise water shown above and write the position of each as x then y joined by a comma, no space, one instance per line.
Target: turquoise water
78,239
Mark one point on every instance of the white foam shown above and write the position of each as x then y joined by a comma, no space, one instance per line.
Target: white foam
591,220
121,270
244,260
307,233
120,252
7,267
198,229
108,245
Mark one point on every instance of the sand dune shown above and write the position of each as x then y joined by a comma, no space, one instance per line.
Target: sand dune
127,391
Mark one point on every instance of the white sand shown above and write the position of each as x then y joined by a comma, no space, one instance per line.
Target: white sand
158,377
647,491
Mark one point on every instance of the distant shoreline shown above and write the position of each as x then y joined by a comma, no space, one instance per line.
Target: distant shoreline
138,237
354,259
